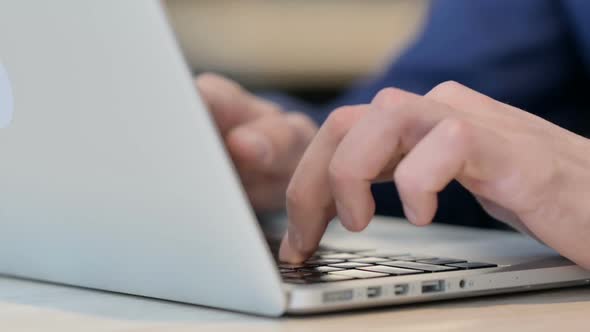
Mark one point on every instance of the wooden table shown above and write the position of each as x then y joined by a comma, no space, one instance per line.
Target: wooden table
35,306
294,44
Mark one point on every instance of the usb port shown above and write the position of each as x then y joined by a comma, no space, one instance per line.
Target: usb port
434,286
373,292
401,289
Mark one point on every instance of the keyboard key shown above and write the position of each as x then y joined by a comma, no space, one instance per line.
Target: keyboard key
419,266
341,256
296,275
328,278
358,251
383,254
441,261
321,269
349,265
322,261
410,258
359,274
389,270
291,266
369,260
473,265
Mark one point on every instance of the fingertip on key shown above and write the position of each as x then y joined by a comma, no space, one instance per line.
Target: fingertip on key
288,253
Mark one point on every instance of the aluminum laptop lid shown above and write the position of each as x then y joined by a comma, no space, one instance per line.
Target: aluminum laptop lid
112,175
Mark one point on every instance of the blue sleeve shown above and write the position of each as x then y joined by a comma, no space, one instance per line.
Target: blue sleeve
525,53
519,52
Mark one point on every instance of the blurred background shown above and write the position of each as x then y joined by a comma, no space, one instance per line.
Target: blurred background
309,48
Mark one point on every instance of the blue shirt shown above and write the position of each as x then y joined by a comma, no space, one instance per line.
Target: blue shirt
533,54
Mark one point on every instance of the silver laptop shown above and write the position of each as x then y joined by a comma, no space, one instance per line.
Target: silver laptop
113,177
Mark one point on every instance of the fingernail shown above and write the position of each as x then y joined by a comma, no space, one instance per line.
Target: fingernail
409,212
261,144
344,215
287,253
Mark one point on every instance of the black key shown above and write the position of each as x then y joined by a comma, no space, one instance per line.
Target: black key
294,266
342,255
359,274
349,265
322,261
441,261
369,260
357,251
419,266
384,254
321,269
328,278
398,271
296,275
410,258
473,265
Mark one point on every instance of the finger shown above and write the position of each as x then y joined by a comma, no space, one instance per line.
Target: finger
268,194
374,146
429,167
454,149
461,97
483,109
271,144
229,104
309,202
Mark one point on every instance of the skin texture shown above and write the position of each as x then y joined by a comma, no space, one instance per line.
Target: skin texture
264,142
523,170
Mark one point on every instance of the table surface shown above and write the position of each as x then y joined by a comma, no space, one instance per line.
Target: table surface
35,306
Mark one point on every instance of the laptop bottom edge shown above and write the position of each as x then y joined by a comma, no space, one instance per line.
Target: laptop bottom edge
390,291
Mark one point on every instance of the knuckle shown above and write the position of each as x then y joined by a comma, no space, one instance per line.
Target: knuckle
302,125
205,76
389,96
340,120
207,79
266,107
447,89
458,130
299,119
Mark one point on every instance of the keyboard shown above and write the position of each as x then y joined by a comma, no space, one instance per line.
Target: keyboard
331,265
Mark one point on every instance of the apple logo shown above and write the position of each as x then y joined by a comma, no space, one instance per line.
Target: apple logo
6,99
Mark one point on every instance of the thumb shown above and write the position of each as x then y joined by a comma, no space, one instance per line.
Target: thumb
229,103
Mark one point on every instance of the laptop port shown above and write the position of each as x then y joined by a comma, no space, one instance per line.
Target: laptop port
434,286
373,292
338,296
401,289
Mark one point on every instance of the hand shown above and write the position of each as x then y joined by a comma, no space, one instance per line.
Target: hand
524,170
264,142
